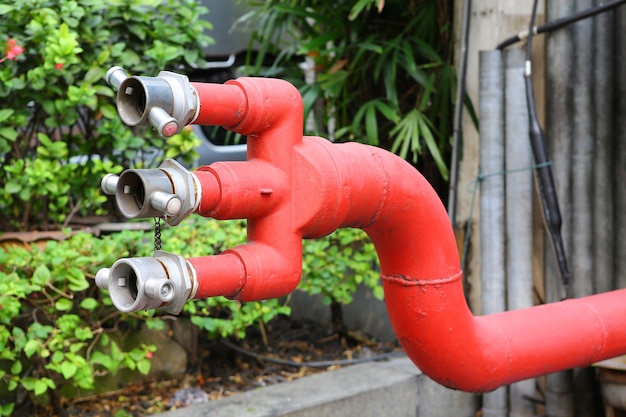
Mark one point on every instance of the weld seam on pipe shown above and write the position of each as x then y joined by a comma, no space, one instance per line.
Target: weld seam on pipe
406,280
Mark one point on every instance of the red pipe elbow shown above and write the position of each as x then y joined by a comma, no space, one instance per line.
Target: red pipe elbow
428,311
293,188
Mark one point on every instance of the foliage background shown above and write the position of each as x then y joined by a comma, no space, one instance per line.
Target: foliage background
384,71
58,331
59,129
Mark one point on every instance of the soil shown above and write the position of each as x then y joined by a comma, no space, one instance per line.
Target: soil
229,367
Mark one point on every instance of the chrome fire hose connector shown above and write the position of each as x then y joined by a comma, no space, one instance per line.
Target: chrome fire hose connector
168,101
164,281
169,191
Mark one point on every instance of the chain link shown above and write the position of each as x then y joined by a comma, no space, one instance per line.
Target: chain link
157,233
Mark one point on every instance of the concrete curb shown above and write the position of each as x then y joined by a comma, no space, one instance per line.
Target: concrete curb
390,388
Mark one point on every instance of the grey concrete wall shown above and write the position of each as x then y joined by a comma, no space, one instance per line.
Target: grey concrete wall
391,388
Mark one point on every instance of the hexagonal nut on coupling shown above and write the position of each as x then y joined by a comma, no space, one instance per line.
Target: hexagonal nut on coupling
185,188
185,104
164,281
169,191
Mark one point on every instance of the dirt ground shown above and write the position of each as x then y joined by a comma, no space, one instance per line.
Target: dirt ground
284,351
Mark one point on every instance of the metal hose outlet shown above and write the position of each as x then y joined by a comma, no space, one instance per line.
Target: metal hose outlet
169,191
168,101
135,284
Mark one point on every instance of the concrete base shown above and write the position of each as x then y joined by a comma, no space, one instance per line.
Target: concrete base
390,388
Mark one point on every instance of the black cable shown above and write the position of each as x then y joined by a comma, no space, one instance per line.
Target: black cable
545,181
560,22
316,364
457,134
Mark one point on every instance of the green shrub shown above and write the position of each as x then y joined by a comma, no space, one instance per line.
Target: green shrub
383,70
52,316
336,265
57,327
59,129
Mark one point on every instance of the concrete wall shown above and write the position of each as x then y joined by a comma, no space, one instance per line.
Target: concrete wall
391,388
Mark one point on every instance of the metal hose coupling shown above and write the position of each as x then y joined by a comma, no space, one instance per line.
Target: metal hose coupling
164,281
169,191
169,102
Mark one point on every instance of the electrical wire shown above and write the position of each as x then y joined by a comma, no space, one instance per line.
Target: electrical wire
458,113
559,23
545,181
315,364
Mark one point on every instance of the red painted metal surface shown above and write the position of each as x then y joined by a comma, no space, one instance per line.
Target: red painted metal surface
293,188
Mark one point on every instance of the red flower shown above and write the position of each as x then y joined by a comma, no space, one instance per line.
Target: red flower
12,50
59,66
149,355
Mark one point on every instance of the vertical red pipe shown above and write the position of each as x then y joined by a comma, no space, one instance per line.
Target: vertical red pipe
293,188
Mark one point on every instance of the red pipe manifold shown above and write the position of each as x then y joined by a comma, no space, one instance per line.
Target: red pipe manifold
293,187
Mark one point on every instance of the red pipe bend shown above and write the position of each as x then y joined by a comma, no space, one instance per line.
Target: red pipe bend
428,311
316,187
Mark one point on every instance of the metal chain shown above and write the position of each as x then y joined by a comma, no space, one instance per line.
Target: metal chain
157,233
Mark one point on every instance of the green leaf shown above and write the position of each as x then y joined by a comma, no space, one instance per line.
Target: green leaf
8,133
89,303
359,7
108,111
83,333
57,357
31,347
5,114
155,324
143,366
29,383
12,384
38,385
16,368
41,386
103,56
423,129
12,187
42,275
63,304
40,331
101,359
387,111
77,280
371,125
19,338
5,8
7,409
68,369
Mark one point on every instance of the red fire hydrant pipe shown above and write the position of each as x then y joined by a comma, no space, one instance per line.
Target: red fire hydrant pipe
293,188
